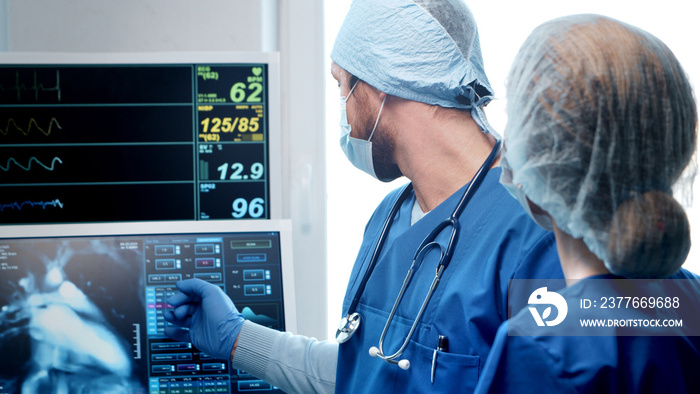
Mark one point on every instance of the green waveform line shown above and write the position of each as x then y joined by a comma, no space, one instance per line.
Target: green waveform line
29,164
32,121
36,87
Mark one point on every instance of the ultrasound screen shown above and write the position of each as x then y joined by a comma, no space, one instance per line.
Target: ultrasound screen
83,314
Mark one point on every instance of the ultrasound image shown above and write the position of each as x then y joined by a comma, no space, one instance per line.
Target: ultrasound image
70,314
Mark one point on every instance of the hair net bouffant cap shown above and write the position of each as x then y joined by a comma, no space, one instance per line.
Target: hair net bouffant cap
422,50
602,122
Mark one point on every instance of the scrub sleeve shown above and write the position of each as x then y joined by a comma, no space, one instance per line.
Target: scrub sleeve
294,363
614,363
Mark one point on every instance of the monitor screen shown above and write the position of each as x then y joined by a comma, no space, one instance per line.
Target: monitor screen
138,137
81,305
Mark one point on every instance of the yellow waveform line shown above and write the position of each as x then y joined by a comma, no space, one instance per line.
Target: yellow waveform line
32,121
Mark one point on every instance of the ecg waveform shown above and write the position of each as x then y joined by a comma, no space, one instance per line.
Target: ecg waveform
35,87
28,167
43,204
32,122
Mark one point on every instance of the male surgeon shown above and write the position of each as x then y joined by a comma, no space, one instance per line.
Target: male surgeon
413,88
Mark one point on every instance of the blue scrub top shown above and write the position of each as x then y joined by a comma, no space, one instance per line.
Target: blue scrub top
612,363
498,241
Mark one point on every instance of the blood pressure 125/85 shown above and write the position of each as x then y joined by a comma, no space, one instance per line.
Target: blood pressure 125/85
231,123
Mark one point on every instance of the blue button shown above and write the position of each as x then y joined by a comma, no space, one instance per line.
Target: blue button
253,385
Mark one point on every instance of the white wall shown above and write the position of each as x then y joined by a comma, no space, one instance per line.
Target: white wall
503,26
303,120
293,27
133,25
3,22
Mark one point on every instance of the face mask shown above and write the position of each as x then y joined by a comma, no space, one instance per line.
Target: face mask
358,151
516,191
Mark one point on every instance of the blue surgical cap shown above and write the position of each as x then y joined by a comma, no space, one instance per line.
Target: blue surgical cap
420,50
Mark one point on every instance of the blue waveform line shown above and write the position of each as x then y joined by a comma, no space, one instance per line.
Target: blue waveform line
29,164
43,204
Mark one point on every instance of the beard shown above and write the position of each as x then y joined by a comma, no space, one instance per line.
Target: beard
383,155
383,145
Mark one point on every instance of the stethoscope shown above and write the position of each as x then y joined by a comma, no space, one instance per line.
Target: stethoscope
350,323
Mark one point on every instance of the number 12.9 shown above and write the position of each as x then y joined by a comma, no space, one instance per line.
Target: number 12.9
257,170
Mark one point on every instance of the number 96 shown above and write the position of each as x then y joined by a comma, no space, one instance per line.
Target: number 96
241,206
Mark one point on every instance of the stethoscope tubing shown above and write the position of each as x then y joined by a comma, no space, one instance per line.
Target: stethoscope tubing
445,257
392,358
378,248
426,245
453,220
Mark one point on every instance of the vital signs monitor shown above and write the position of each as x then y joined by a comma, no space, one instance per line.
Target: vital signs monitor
139,137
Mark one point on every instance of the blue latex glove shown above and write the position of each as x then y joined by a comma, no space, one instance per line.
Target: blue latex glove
209,314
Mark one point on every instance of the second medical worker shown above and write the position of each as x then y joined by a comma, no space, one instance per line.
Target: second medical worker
430,284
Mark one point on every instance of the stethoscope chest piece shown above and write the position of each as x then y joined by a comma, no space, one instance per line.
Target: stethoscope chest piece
347,327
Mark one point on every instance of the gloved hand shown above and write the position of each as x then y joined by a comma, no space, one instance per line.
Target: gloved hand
212,319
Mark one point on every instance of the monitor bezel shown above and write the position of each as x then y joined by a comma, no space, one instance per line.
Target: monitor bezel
272,59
